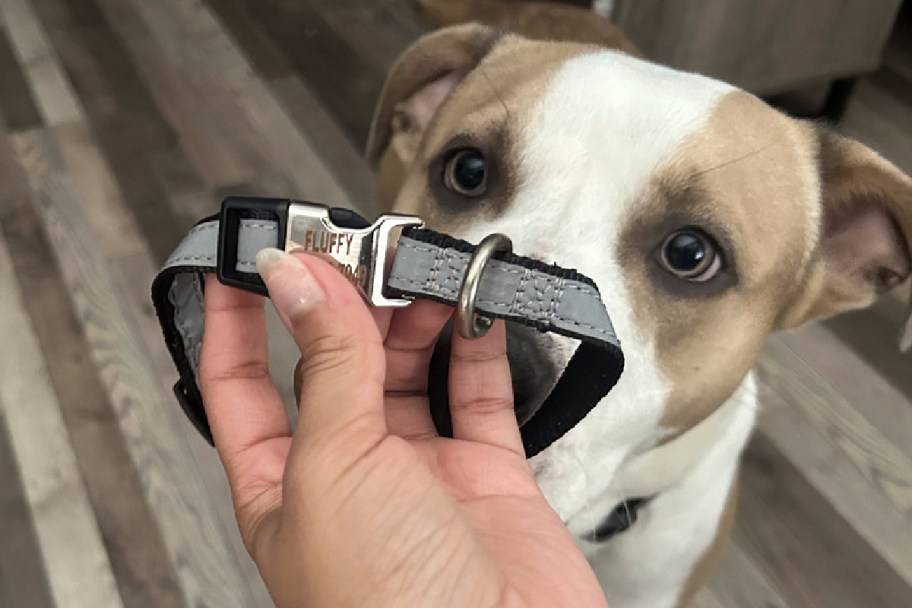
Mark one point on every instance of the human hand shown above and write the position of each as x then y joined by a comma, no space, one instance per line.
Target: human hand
366,504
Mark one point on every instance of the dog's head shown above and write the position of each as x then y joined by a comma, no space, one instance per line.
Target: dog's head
706,218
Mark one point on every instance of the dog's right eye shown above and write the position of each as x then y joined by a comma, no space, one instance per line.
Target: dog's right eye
690,254
465,172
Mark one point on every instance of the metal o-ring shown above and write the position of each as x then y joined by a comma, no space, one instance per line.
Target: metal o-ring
468,324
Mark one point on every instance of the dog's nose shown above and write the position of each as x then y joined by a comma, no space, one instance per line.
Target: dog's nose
533,371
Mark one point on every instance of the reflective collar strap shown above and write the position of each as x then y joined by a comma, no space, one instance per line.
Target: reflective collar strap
427,265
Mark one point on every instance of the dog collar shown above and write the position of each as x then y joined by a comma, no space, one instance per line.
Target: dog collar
620,519
484,282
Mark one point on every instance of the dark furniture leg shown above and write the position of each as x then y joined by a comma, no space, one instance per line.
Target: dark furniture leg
837,99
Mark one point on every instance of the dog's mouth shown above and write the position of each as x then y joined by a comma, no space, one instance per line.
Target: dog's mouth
533,369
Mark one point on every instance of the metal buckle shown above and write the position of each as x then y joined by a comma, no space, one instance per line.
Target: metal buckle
468,324
360,253
356,247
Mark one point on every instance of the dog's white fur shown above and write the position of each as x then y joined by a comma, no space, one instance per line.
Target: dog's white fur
649,565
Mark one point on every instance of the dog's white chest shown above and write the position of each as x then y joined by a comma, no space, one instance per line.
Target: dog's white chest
648,565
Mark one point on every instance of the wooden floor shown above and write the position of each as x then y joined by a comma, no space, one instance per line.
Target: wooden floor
126,120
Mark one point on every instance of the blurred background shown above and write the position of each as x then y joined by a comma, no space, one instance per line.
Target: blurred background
125,121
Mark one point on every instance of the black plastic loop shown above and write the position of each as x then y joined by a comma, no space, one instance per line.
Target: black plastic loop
235,209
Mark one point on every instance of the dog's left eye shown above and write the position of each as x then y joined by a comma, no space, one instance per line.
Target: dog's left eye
690,254
465,172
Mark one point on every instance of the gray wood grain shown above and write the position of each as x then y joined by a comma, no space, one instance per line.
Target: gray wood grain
880,400
127,124
321,57
50,89
810,553
138,558
342,157
740,582
345,159
78,571
196,545
858,470
16,104
216,75
22,575
123,245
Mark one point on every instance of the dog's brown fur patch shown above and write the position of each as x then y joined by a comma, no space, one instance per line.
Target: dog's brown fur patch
708,335
872,199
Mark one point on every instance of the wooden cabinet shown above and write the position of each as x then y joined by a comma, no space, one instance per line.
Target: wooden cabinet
765,46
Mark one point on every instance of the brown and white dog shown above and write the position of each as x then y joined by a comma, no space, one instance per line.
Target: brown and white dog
708,221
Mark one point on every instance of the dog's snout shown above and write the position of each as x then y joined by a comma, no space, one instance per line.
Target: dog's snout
533,368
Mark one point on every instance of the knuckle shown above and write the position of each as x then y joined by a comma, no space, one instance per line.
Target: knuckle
483,406
327,353
244,370
474,356
336,460
253,516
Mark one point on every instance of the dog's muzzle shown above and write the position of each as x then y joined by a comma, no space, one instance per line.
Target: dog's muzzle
392,262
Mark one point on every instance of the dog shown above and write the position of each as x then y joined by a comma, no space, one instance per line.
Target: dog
707,219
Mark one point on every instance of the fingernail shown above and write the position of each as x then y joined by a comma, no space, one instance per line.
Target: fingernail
292,287
267,258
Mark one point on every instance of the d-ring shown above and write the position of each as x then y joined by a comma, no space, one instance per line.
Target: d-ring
468,324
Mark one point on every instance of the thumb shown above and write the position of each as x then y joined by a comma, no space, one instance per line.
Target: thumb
342,357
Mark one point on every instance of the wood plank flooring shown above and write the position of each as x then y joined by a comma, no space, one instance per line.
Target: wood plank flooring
123,121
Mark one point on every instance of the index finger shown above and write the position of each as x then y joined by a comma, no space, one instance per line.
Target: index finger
242,403
481,392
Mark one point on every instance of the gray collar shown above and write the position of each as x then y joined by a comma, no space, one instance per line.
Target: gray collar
426,264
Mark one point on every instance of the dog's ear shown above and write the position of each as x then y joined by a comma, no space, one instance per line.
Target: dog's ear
865,245
421,80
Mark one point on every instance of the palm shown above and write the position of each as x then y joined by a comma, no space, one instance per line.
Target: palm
496,493
366,504
481,501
